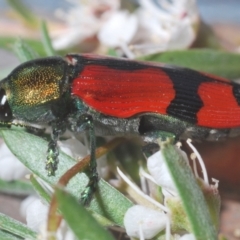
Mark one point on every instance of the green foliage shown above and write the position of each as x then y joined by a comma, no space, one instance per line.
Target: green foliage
46,40
216,62
78,218
14,227
190,193
17,187
108,202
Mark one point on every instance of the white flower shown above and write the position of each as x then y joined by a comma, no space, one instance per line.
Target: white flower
10,167
142,221
84,21
137,219
200,160
165,25
160,173
36,213
154,26
119,29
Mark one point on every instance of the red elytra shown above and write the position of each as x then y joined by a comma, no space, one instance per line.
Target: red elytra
124,94
220,108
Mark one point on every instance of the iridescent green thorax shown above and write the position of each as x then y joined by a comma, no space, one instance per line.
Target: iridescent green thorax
32,90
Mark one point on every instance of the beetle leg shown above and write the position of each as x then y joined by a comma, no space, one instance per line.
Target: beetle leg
85,122
58,128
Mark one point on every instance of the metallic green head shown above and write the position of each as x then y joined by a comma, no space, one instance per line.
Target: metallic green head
33,91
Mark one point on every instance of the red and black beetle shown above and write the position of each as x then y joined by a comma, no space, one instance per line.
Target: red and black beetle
114,96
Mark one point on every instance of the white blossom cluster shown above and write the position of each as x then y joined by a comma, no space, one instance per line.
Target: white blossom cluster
148,220
154,26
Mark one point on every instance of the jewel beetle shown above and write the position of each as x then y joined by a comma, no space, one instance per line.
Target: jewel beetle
111,96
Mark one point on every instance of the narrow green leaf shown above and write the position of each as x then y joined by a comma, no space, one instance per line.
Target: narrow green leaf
8,236
44,195
79,219
24,12
36,45
31,151
15,227
17,187
102,220
39,189
190,194
216,62
24,51
46,40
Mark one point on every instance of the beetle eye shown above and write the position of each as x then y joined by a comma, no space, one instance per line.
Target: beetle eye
5,110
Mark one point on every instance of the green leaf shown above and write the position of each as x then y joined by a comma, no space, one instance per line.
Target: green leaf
31,151
17,187
112,52
39,189
46,40
46,196
79,219
24,12
190,193
102,220
15,227
216,62
36,45
8,236
24,51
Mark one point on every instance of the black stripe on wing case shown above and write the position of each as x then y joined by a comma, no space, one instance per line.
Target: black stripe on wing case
114,63
187,102
236,92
